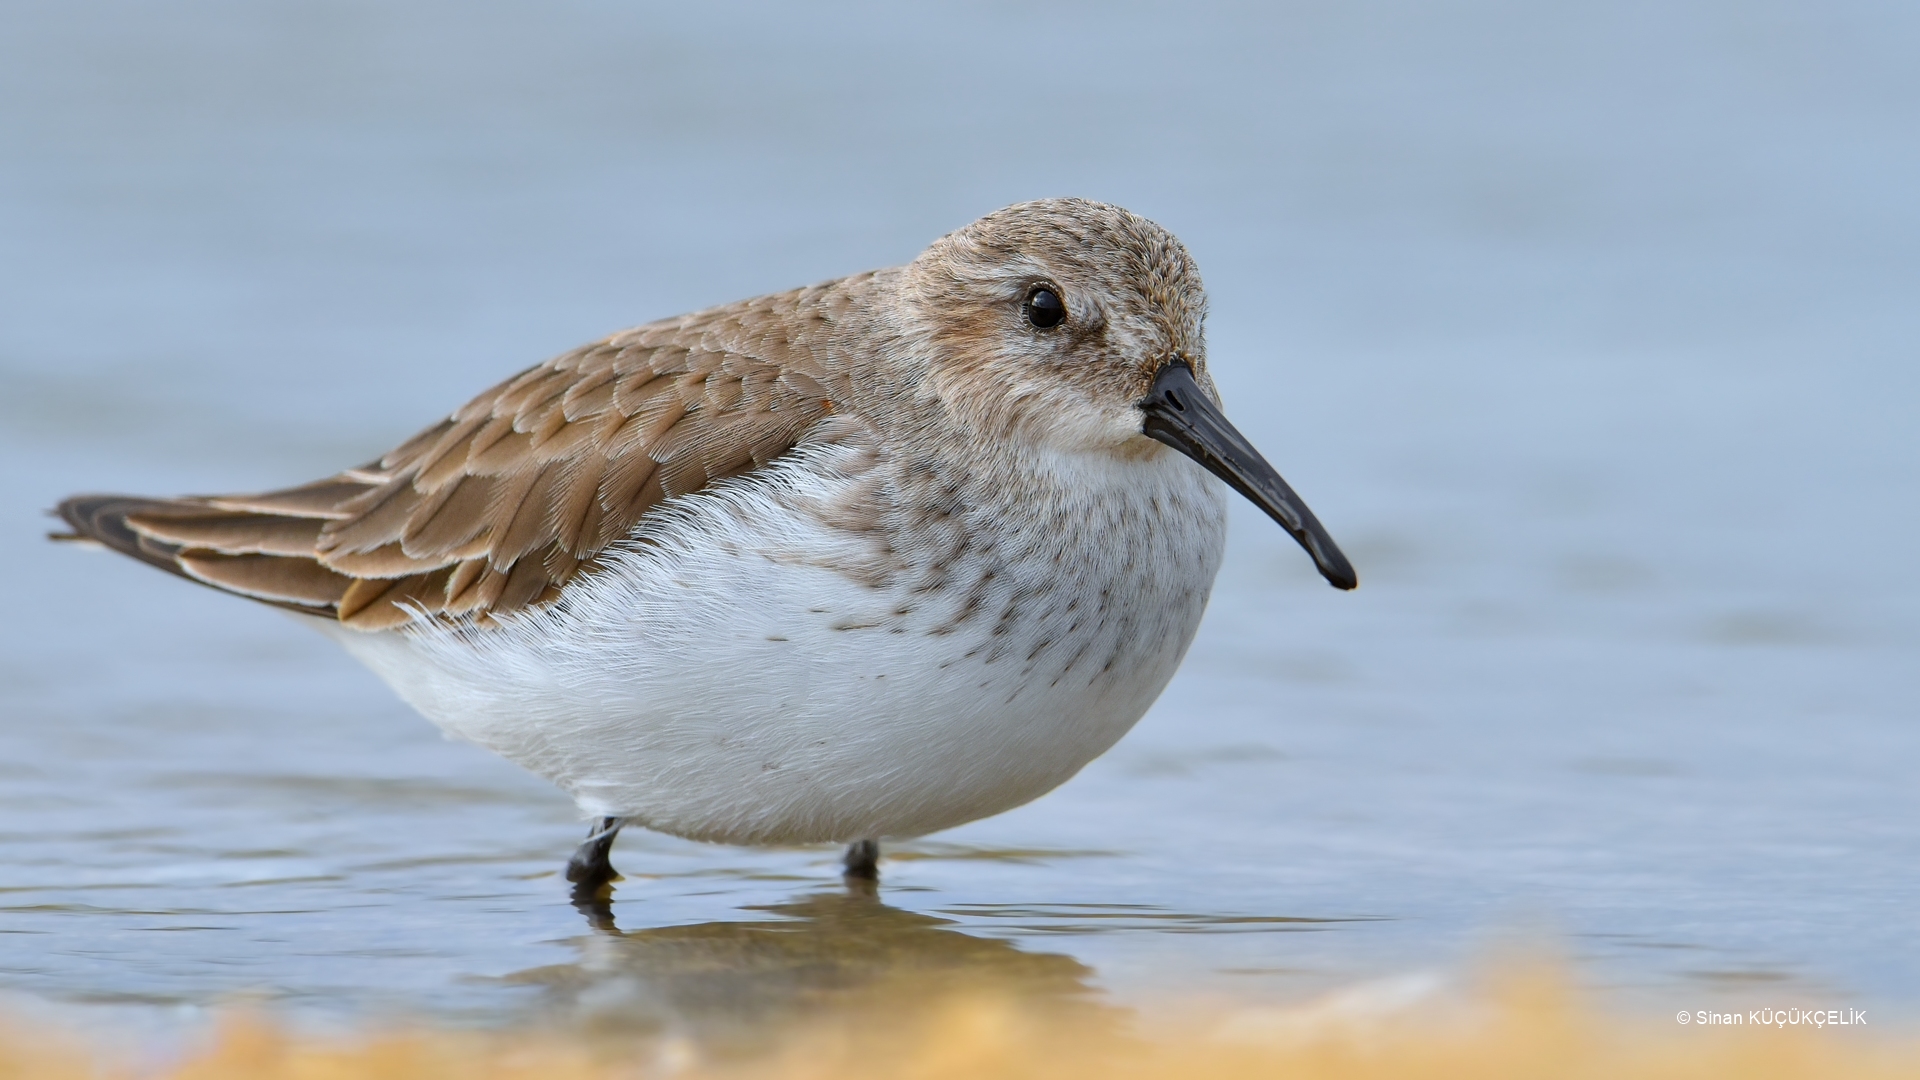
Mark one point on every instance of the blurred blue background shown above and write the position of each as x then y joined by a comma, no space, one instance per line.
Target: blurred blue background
1588,329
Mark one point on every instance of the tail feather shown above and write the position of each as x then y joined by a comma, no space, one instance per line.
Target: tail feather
103,520
291,581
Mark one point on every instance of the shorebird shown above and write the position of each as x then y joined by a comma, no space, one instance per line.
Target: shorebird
859,561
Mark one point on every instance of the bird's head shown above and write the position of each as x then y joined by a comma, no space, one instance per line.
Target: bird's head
1080,326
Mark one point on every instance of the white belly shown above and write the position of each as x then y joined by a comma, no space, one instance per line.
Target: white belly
726,679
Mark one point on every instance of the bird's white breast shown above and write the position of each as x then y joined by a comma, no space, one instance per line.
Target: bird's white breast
748,669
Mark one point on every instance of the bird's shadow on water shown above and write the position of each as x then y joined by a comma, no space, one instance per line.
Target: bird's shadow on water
841,953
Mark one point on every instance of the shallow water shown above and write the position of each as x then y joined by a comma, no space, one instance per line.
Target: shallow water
1590,335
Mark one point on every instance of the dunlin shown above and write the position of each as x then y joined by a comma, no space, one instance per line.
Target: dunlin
858,561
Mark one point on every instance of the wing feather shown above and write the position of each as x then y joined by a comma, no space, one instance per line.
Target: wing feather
268,577
229,533
452,517
321,499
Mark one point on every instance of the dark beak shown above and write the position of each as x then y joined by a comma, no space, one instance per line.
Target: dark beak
1180,415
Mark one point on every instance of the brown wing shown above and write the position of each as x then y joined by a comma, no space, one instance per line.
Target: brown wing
498,506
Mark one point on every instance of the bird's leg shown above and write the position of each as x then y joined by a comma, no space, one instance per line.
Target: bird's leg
863,860
589,869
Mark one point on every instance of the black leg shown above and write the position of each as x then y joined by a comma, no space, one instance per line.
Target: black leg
863,860
589,869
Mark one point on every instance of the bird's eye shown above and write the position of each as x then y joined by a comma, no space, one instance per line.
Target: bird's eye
1044,309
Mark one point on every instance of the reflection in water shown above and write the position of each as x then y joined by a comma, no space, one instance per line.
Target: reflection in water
842,953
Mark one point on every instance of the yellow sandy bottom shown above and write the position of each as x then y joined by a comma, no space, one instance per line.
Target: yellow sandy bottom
1521,1025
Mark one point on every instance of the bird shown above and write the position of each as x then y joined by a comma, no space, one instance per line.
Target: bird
851,563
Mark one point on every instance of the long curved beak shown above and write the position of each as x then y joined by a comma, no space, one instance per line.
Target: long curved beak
1180,415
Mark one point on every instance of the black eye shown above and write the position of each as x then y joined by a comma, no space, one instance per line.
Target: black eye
1044,309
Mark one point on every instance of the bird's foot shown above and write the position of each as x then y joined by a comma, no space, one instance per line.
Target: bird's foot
590,869
863,860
